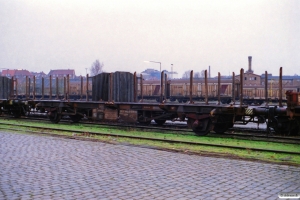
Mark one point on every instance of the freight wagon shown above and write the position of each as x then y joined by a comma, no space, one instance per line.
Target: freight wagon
115,98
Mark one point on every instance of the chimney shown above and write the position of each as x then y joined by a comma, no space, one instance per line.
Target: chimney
249,65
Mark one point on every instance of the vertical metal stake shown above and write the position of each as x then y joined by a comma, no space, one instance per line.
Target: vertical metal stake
219,88
266,87
280,87
33,93
206,88
57,88
241,86
26,87
191,86
161,86
87,87
65,88
233,88
81,87
43,87
50,87
142,87
68,86
134,87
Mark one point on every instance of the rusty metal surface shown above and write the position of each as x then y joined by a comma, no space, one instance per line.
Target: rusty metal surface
219,88
34,86
110,114
161,86
241,86
50,86
128,116
43,87
191,86
266,86
233,87
135,87
206,88
81,87
280,87
141,86
87,87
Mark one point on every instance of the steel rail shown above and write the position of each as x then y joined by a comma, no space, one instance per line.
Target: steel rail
155,139
261,137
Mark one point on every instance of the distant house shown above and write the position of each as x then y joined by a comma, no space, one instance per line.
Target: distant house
22,73
16,73
62,73
8,72
38,75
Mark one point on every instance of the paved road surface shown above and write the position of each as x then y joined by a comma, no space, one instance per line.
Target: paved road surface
42,167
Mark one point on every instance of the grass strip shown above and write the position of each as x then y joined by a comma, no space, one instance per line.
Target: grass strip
246,153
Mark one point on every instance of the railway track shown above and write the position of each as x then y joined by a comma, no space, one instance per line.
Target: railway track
79,132
234,133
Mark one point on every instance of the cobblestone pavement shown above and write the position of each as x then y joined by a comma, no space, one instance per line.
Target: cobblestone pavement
42,167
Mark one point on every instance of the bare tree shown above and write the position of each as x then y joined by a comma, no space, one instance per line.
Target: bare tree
203,73
186,74
96,68
197,75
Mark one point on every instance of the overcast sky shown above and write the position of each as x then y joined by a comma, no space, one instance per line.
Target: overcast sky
40,35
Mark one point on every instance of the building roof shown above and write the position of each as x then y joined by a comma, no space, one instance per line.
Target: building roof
8,72
22,72
284,77
15,72
62,72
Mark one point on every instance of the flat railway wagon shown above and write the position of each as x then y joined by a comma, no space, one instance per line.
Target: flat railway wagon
179,90
254,90
114,98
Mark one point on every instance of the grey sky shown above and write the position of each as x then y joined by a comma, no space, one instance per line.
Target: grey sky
192,34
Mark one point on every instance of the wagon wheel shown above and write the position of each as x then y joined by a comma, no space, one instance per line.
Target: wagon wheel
190,122
280,125
202,129
222,125
160,121
54,116
294,129
143,121
16,113
75,118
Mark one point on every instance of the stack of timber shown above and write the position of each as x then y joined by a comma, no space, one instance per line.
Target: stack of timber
117,87
5,85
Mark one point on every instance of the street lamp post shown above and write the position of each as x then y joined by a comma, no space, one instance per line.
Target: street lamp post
156,62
